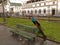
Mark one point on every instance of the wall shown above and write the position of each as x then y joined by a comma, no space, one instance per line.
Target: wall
47,5
58,6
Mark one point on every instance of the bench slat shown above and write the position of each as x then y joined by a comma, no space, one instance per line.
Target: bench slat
25,34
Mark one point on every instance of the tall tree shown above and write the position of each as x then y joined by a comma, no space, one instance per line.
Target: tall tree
3,2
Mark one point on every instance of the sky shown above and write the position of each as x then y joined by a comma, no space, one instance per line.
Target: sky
18,1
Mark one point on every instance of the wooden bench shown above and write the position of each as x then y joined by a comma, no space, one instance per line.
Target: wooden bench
27,28
25,31
24,34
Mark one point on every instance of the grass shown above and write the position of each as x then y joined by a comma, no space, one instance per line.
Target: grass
51,29
1,20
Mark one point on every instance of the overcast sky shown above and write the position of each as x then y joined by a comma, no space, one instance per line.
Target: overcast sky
18,1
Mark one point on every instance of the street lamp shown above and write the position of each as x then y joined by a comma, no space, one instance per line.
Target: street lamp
4,19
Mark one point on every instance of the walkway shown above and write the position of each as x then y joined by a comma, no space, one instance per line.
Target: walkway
6,38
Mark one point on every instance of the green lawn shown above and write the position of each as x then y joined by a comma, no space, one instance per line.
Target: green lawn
1,20
51,29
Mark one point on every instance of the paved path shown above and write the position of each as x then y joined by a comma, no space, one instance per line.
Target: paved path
7,39
46,42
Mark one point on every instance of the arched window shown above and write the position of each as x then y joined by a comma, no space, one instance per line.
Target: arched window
35,11
22,12
44,11
28,11
39,10
25,12
31,11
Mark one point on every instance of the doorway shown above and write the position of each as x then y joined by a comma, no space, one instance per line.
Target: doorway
53,12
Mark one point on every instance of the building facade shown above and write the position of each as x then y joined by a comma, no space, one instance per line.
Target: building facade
12,6
41,8
15,7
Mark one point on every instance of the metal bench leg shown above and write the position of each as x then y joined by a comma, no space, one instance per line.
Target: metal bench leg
31,42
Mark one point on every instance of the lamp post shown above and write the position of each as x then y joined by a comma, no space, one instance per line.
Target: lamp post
4,19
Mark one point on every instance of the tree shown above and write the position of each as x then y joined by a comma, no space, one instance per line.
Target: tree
3,2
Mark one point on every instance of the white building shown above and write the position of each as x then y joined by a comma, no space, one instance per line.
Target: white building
13,6
42,8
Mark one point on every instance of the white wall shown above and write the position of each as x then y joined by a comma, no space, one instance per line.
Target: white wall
59,6
52,7
47,7
48,10
33,9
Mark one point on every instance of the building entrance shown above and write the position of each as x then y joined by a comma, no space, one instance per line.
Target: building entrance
53,12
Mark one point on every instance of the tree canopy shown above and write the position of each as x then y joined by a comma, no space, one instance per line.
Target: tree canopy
3,0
